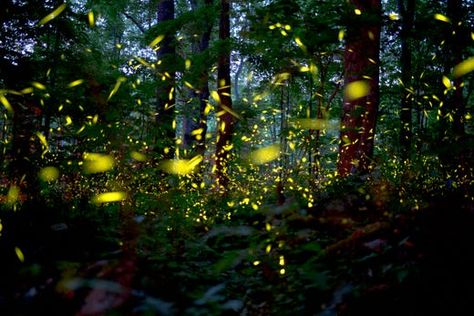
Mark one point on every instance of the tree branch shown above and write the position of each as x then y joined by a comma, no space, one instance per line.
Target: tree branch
137,24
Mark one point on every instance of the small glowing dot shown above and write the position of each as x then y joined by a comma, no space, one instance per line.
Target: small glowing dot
282,261
268,227
268,249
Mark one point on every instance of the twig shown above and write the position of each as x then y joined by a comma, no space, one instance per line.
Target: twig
137,24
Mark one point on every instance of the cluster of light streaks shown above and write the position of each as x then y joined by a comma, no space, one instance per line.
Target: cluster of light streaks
262,154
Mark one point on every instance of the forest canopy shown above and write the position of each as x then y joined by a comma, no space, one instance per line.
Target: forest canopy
252,157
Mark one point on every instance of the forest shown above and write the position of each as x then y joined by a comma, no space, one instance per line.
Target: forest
229,157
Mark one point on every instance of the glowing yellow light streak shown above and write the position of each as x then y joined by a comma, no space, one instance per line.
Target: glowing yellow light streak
38,85
6,104
19,254
442,18
315,124
95,163
42,139
52,15
181,166
119,81
138,156
13,194
156,41
75,83
356,90
91,18
340,35
464,67
265,154
49,174
446,82
109,197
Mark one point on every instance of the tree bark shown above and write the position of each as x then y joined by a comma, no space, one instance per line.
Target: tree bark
361,62
166,84
202,87
225,119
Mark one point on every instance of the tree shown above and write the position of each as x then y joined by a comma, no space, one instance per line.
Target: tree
361,78
166,86
226,121
407,11
200,51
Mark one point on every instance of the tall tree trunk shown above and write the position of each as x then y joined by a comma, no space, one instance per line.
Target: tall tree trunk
407,11
225,119
204,87
203,84
457,40
191,114
166,85
361,62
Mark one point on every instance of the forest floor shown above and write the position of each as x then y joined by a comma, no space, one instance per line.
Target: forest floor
347,255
